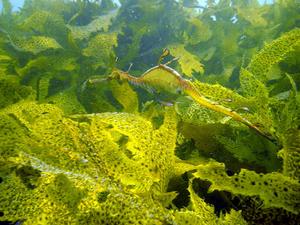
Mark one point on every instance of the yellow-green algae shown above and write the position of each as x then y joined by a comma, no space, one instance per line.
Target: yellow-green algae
120,166
273,53
187,61
275,189
88,174
35,44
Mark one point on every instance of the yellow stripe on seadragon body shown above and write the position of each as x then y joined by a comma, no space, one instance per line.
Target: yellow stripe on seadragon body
164,78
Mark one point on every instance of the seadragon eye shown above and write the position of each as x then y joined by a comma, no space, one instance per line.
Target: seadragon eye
114,75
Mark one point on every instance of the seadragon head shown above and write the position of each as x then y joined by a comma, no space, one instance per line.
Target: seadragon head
117,74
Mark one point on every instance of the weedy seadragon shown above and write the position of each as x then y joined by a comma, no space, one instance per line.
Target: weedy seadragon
164,78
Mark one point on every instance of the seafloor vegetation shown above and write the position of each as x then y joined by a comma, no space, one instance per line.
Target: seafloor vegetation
108,152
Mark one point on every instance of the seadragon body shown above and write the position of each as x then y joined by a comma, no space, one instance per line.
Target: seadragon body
164,78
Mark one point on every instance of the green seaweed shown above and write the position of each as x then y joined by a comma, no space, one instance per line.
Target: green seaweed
273,54
11,91
78,147
275,189
35,44
66,153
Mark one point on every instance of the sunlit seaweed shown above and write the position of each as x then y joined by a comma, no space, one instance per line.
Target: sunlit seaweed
73,152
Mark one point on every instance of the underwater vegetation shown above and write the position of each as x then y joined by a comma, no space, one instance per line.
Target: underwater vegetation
151,112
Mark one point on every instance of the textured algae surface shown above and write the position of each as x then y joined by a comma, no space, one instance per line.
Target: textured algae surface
112,152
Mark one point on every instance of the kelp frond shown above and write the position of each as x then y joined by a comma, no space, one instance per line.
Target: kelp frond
35,44
275,189
273,53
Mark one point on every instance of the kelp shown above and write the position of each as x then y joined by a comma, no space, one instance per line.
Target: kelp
35,44
108,95
273,54
53,51
193,113
252,13
197,32
100,48
125,96
45,63
253,152
98,24
139,28
104,149
11,91
290,154
188,62
49,24
274,189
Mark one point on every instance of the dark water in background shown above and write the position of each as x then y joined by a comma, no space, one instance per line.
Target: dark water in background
241,55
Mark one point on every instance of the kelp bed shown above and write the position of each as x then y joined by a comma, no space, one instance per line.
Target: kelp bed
74,152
